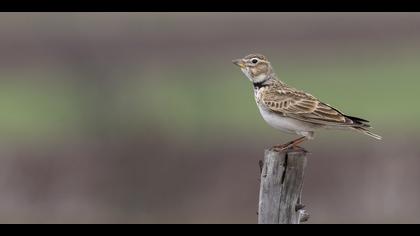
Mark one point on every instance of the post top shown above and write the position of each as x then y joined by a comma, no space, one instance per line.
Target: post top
295,151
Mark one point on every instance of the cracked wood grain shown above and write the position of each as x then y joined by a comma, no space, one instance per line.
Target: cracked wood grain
281,186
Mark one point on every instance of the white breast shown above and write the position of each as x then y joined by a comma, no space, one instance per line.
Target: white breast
285,124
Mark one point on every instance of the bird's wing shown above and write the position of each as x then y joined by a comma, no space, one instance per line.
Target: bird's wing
303,106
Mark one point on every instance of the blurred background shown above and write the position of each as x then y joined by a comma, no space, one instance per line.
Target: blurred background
142,117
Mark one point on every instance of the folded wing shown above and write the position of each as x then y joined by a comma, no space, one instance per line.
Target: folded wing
304,106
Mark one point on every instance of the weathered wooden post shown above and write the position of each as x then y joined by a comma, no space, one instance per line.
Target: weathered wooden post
281,187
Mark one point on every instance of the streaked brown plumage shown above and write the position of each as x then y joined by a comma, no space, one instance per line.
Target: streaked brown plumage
292,110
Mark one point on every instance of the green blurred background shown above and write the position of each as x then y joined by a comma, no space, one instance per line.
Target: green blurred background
142,117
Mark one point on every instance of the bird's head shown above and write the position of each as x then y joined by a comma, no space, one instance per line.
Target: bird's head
255,66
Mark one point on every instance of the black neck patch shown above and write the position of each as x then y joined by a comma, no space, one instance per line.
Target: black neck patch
259,85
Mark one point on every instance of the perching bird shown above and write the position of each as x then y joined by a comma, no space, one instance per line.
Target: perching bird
291,110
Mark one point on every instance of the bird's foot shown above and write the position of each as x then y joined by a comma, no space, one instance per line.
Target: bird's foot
290,145
279,148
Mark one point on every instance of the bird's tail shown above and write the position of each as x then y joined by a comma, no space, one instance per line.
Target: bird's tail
367,132
362,125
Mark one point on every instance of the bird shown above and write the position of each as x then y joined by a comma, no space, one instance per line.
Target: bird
291,110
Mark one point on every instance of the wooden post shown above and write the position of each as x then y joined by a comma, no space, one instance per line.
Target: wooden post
281,187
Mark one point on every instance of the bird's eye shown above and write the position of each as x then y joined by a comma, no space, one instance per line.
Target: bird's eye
254,61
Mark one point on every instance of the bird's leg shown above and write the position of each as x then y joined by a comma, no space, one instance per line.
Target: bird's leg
291,144
294,145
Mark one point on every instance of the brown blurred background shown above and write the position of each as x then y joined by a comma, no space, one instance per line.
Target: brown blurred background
142,117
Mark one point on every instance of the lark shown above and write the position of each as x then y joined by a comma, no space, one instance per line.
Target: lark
290,110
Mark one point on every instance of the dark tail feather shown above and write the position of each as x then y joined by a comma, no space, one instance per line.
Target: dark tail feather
359,121
361,125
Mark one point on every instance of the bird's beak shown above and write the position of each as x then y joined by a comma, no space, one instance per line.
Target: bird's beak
239,62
